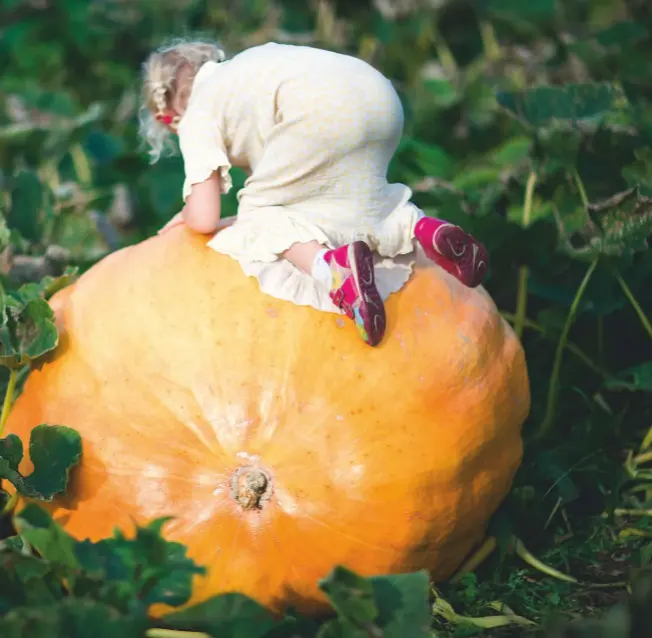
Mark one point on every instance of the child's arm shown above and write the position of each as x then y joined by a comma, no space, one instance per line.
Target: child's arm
203,206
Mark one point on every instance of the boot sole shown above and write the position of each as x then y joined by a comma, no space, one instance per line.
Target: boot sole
369,314
469,256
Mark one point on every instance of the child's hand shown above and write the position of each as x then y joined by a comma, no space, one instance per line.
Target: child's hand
177,220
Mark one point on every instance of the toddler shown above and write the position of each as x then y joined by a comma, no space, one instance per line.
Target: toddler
314,131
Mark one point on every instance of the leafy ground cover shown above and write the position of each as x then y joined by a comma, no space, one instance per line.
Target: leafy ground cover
529,123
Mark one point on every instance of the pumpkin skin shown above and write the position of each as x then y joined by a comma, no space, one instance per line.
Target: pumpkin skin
177,371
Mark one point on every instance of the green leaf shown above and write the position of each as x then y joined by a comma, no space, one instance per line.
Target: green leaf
477,177
45,288
5,231
125,573
230,615
622,34
639,173
555,469
556,149
402,601
54,450
443,93
27,328
341,629
512,152
352,596
147,568
11,450
573,102
161,186
26,203
25,580
13,543
619,226
426,159
636,378
38,528
27,331
74,618
526,11
392,606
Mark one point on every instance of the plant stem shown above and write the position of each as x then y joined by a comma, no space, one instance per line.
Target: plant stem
553,390
489,41
580,187
8,400
476,559
527,556
637,307
645,457
81,164
647,441
633,513
521,295
444,54
584,358
173,633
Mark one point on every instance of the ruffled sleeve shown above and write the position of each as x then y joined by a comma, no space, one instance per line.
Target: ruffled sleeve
202,146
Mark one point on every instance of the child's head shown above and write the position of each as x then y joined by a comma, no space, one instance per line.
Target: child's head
168,74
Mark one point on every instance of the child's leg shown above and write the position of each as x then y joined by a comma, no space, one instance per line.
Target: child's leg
454,250
348,274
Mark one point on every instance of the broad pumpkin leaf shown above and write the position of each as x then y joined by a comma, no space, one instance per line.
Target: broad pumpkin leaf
27,328
515,10
619,226
443,93
27,195
635,378
392,606
45,288
102,147
556,149
417,159
25,580
402,601
351,596
11,450
622,34
54,450
146,567
639,173
27,331
228,615
73,618
124,573
573,102
341,629
161,188
512,152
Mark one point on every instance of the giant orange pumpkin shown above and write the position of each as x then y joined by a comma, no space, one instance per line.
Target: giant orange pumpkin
281,444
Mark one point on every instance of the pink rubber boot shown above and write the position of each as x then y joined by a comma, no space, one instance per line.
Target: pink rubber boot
454,250
354,289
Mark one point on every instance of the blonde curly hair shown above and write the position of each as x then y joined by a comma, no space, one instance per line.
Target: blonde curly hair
160,72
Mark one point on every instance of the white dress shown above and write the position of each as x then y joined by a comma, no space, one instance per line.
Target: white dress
315,131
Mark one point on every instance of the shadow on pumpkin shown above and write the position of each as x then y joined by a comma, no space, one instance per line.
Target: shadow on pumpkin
79,490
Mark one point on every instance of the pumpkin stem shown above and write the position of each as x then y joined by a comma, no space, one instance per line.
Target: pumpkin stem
250,487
